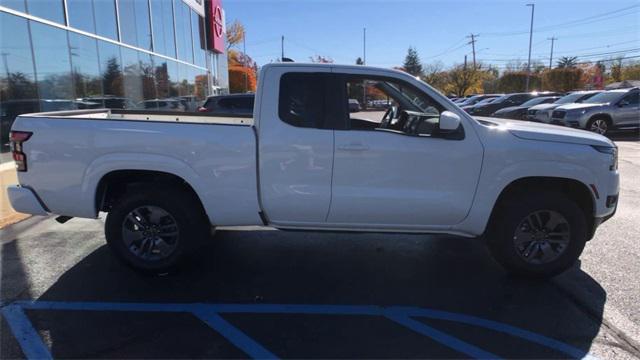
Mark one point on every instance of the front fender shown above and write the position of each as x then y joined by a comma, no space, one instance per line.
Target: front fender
492,186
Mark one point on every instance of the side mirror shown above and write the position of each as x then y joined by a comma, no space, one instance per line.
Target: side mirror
449,121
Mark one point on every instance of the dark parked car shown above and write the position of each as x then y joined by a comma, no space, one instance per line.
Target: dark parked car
520,112
506,101
238,104
476,99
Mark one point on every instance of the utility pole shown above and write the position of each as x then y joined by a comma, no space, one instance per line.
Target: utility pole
473,47
553,39
282,49
364,46
533,7
244,62
465,63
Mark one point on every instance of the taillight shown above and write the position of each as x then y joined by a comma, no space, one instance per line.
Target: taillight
17,138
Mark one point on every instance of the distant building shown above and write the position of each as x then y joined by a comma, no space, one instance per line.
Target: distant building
78,54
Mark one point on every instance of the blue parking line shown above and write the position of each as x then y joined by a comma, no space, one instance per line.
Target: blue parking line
28,338
234,335
441,337
33,347
496,326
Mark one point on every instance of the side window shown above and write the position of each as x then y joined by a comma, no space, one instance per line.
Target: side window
245,103
633,99
389,104
302,99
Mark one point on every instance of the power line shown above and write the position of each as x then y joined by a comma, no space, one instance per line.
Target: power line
577,22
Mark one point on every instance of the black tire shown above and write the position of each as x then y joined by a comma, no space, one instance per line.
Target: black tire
186,218
510,216
603,128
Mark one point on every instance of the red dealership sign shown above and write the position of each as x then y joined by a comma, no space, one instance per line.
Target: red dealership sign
215,25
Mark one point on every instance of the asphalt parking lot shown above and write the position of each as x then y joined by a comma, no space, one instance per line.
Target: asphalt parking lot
256,292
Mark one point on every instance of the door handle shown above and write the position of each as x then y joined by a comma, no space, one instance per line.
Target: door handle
353,147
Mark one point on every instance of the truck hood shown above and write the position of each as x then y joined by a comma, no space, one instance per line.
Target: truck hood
545,132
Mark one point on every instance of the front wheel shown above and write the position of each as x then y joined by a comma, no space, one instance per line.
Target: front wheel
538,236
152,228
598,126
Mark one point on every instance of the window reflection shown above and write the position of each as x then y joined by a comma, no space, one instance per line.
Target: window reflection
14,4
51,52
197,31
105,18
81,15
17,80
47,9
111,76
183,31
132,78
85,71
135,28
163,30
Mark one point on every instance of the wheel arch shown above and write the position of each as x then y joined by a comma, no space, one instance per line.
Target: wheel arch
574,189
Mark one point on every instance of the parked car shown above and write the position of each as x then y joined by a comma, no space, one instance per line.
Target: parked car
112,102
477,98
542,112
354,105
170,104
520,112
613,109
467,108
232,105
535,195
506,101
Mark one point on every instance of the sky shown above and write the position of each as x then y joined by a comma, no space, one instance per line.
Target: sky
592,30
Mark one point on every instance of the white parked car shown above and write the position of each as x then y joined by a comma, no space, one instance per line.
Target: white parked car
535,192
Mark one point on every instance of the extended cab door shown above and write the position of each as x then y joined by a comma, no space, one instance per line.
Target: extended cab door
295,143
392,170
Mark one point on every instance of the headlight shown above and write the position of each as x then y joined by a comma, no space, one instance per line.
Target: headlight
613,151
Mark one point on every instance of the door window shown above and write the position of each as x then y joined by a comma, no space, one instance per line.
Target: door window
302,99
389,104
632,99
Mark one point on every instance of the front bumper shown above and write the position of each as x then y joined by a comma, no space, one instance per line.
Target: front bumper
26,201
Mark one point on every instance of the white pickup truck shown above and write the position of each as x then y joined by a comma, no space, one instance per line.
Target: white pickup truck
534,192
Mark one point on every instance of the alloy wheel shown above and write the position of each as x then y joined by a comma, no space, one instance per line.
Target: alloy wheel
150,233
542,236
599,126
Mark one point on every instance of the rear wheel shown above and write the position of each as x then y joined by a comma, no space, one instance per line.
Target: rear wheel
153,228
598,126
538,235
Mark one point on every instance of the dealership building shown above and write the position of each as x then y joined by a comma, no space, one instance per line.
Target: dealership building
163,55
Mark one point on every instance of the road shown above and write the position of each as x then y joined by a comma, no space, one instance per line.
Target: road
89,305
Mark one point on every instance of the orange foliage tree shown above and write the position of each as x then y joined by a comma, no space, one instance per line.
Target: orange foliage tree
237,83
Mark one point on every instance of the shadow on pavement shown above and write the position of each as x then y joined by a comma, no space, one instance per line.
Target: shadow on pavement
264,266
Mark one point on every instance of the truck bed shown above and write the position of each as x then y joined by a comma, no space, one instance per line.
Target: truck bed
70,152
144,115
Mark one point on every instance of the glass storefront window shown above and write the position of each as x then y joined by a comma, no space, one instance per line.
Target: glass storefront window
14,4
164,41
94,16
105,18
197,31
183,31
51,50
132,79
112,77
18,93
47,9
135,28
85,71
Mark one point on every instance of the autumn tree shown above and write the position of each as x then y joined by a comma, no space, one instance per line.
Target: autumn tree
235,34
563,79
435,75
412,63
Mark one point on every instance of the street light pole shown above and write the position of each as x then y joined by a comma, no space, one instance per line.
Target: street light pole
364,46
533,7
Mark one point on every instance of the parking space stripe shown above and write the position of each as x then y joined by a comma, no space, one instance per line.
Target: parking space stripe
441,337
234,335
28,338
496,326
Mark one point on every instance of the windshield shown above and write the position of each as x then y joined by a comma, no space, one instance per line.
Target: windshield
571,98
501,99
486,101
534,101
605,97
